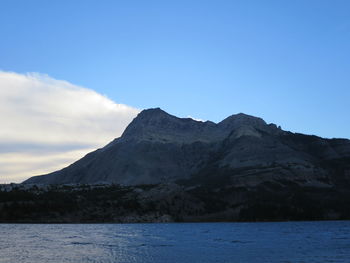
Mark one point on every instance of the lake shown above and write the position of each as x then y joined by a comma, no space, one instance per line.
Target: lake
308,242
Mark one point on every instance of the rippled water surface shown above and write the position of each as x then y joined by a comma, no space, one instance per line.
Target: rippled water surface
203,242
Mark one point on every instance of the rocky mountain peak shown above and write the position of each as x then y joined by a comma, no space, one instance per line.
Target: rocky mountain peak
152,113
156,124
238,120
149,121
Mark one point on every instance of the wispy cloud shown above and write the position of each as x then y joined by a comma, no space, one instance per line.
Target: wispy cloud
47,124
196,119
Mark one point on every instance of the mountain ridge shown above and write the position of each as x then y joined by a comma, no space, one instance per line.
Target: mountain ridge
157,147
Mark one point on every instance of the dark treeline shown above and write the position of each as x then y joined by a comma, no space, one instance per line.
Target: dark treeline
170,203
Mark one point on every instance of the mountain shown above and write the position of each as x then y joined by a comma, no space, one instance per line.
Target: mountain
240,151
165,168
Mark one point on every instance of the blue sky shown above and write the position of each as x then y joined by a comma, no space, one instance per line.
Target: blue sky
285,61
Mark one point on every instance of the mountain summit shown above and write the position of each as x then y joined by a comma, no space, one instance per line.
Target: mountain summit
241,150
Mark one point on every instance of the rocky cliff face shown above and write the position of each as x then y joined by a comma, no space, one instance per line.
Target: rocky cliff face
240,151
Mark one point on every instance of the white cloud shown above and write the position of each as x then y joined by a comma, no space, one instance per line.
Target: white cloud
196,119
47,124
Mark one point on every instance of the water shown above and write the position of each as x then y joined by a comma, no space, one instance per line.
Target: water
203,242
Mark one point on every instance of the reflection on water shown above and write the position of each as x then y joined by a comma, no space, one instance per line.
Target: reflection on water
203,242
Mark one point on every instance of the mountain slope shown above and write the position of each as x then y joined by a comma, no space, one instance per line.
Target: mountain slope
241,151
